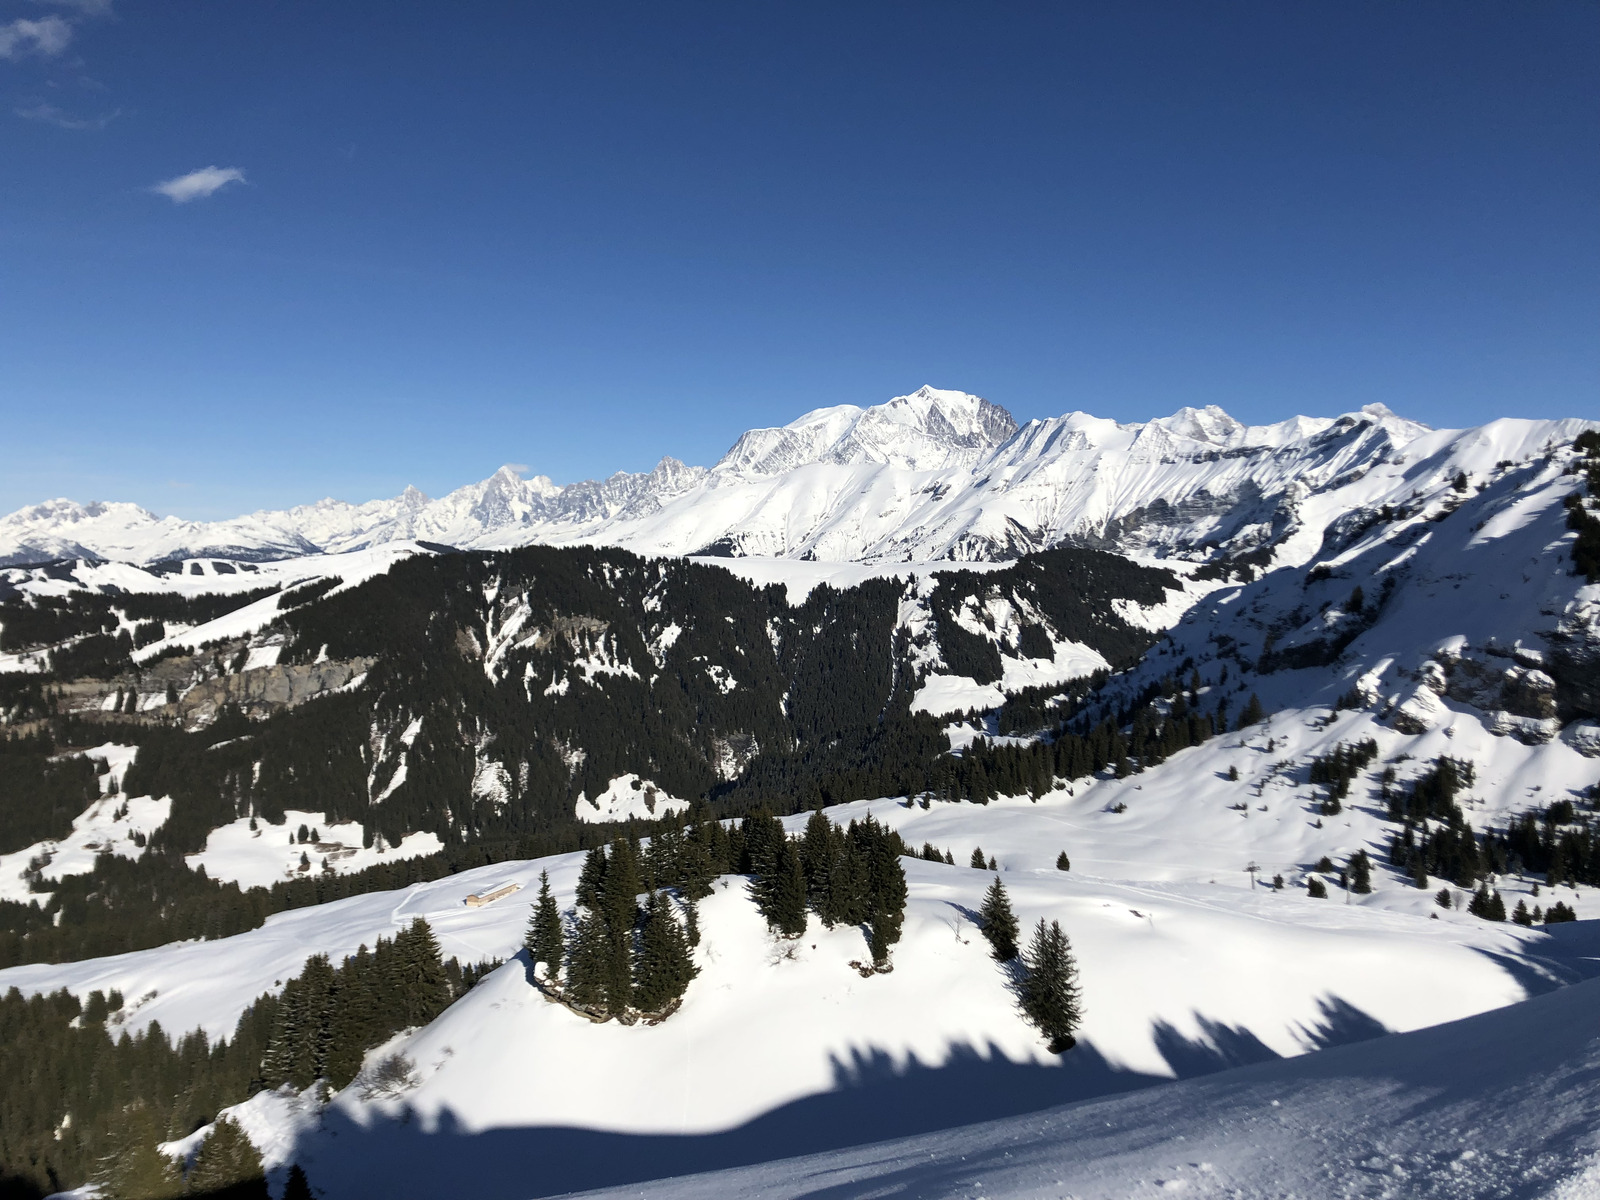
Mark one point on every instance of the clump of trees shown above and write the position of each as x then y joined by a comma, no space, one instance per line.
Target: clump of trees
1045,976
1335,771
328,1017
623,961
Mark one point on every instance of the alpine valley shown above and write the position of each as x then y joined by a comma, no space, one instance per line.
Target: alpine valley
913,803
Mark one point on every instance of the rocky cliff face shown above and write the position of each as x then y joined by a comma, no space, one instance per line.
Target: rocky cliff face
191,690
268,689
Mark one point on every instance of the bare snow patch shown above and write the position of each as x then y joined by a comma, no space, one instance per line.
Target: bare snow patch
628,796
270,854
941,694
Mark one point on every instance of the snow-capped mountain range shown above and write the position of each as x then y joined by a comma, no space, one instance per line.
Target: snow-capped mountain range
935,475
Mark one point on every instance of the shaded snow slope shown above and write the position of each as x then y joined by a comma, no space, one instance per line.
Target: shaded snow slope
1504,1104
933,475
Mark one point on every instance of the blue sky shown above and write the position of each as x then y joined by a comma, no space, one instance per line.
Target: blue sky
580,236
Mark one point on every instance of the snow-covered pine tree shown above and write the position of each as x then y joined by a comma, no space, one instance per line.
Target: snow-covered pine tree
1050,991
999,922
545,940
228,1165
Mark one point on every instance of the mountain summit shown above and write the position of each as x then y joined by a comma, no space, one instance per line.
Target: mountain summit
928,430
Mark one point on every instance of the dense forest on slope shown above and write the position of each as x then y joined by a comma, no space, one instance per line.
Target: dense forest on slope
504,690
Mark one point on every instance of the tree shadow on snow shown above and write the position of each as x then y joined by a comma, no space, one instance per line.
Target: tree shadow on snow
874,1099
1221,1046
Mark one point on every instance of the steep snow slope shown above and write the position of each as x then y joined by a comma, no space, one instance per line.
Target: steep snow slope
1503,1104
933,475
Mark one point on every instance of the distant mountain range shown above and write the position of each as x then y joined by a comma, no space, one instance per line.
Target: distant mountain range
935,475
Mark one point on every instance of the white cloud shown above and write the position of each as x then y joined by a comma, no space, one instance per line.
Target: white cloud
51,115
197,184
44,37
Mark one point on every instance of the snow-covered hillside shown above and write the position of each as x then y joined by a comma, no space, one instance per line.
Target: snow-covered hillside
933,475
1504,1104
782,1048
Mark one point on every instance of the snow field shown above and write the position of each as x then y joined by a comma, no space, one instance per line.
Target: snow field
269,855
629,797
1501,1104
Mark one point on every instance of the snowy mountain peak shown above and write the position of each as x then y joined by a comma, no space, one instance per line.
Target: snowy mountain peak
1208,424
928,430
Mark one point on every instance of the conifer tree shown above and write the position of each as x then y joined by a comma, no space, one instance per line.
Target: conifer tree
789,893
886,883
1063,863
1496,908
691,923
545,940
1316,889
1360,873
664,966
228,1165
1478,906
423,986
1521,915
1442,899
590,877
1050,992
1253,713
817,848
619,912
588,967
979,862
999,922
355,1009
135,1169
